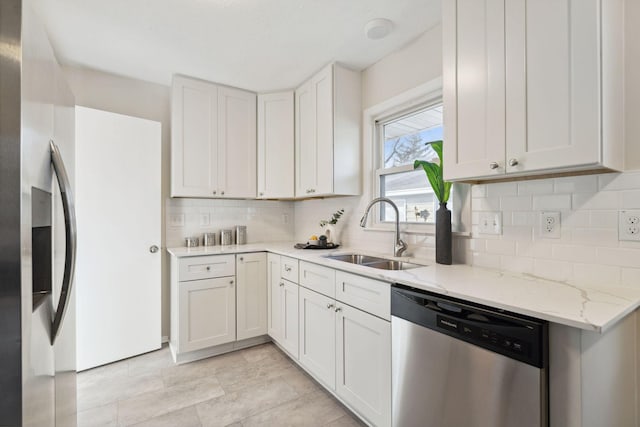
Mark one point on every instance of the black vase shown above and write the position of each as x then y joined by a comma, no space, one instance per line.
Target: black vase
444,253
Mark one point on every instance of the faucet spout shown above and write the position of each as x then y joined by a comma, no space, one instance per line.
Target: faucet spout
399,246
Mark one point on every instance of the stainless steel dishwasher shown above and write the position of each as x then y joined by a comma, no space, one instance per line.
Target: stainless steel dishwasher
456,364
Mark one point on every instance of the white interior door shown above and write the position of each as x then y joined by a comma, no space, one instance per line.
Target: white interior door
119,220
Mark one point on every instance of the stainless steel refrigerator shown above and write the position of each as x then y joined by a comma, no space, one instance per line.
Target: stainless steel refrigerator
37,227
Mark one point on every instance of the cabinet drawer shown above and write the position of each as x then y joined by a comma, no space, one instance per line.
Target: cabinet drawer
318,278
372,296
289,269
205,267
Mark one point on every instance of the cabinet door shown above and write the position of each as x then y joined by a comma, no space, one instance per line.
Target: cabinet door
207,313
194,133
275,290
275,145
322,88
236,143
474,93
251,271
318,336
306,147
552,84
363,369
289,337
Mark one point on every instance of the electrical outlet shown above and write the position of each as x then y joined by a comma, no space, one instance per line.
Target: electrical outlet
629,225
550,225
204,220
176,220
490,223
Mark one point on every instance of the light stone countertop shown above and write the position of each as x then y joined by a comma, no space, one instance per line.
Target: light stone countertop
593,307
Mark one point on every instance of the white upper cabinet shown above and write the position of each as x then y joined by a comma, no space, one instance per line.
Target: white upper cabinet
213,140
532,87
275,146
327,133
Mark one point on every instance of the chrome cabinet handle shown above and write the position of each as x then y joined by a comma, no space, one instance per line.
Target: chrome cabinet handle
222,192
208,268
329,306
287,268
231,282
494,165
338,309
281,283
153,249
70,233
513,162
215,192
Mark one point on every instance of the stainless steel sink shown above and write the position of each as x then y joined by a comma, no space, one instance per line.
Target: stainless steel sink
374,262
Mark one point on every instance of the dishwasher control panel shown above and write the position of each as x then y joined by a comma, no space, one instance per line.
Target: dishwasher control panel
518,337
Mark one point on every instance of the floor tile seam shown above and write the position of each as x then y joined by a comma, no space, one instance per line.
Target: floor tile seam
270,408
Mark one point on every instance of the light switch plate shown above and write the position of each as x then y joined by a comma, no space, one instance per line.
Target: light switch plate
176,220
490,223
204,219
629,225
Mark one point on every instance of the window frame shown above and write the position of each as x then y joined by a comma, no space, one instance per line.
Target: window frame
423,96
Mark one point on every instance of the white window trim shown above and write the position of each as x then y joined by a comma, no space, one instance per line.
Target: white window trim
423,95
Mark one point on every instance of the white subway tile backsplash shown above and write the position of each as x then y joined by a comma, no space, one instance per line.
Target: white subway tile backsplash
576,184
574,219
487,260
516,203
501,247
630,199
604,219
543,186
595,236
517,233
479,190
619,181
487,204
574,253
517,263
630,277
605,200
619,256
502,189
552,202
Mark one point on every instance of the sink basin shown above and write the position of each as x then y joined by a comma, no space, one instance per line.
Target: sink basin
374,262
392,265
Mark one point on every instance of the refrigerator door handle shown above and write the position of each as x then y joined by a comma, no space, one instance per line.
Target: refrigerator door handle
70,232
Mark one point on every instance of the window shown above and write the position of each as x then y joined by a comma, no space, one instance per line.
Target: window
402,139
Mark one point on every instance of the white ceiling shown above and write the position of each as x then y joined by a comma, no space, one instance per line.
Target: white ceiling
260,45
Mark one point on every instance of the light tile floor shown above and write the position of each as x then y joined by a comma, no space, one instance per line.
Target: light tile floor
258,386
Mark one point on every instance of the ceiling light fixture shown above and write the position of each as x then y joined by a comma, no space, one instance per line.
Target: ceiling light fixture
378,28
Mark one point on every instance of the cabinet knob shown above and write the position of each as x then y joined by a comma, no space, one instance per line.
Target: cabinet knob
313,190
215,192
494,165
222,192
241,258
287,269
153,249
329,306
231,282
338,309
513,162
261,194
308,191
281,283
208,268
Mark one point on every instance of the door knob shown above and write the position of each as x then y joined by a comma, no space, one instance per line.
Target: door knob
153,249
513,162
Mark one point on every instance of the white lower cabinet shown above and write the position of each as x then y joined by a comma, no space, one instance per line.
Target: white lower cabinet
363,363
251,297
218,304
207,313
283,303
318,336
349,350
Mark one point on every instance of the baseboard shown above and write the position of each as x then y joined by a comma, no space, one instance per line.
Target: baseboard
192,356
164,339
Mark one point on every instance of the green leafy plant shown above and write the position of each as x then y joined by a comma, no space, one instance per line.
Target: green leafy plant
334,218
441,188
